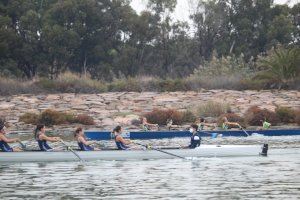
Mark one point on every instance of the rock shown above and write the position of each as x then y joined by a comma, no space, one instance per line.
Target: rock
5,106
108,122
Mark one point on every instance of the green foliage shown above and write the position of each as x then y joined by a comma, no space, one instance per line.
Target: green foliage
212,109
282,67
225,72
108,38
254,116
285,114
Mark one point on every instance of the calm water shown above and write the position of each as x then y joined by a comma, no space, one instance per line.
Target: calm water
274,177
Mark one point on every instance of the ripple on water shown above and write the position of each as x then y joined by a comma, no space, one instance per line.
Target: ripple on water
276,176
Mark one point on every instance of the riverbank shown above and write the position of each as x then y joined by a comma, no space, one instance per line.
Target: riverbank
110,109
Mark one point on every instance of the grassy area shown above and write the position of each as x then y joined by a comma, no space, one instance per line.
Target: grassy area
71,83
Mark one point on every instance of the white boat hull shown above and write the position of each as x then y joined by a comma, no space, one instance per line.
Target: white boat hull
64,156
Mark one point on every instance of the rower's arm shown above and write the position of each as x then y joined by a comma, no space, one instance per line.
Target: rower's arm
121,139
50,139
7,140
233,123
81,139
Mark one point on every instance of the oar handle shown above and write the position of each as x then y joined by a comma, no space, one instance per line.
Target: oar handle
23,146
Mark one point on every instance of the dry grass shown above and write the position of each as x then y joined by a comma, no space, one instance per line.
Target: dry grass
213,109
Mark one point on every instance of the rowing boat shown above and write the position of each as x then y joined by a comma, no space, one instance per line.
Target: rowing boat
202,151
106,135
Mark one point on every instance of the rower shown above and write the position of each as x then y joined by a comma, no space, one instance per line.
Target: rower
83,144
226,124
42,138
195,139
120,141
265,124
202,123
4,141
146,126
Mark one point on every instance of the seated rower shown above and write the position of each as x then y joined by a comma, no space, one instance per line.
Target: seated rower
146,126
227,125
83,144
120,141
265,124
4,141
42,138
202,123
195,139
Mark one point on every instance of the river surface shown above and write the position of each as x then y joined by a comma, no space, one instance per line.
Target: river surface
274,177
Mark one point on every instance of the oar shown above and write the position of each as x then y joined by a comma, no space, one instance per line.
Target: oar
244,130
70,149
171,154
23,146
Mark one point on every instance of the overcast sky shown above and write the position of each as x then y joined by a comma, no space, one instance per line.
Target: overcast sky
183,7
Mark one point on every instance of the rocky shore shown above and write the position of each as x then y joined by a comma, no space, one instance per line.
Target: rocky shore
109,109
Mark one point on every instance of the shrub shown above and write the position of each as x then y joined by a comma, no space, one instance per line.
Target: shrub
285,114
29,118
297,117
129,84
171,85
188,116
84,119
51,117
213,109
232,117
70,82
136,122
254,115
281,67
159,116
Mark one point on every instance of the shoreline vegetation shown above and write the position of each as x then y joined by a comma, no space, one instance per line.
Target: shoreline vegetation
91,47
213,111
275,72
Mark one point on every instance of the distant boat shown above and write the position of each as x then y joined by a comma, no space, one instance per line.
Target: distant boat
106,135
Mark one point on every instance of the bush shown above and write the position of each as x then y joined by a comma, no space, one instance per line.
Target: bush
69,82
280,67
29,118
158,116
254,115
213,109
297,117
84,119
232,117
51,117
188,116
285,114
129,85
